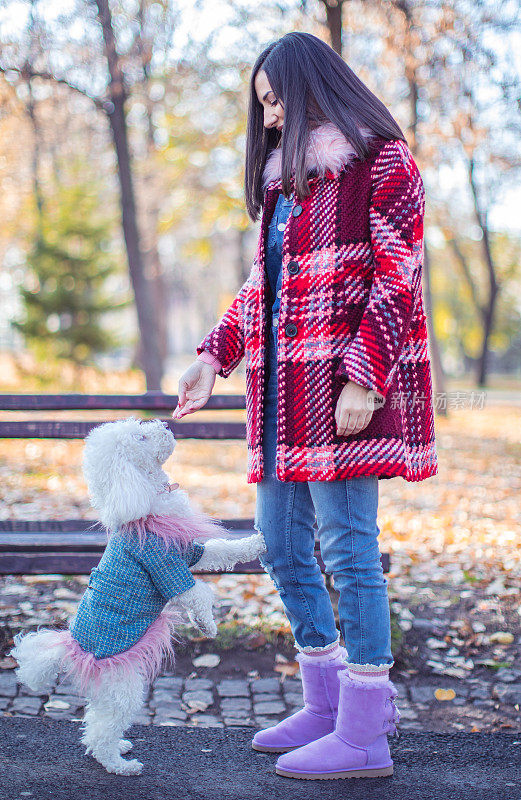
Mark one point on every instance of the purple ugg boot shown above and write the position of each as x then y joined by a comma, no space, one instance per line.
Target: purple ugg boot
358,747
320,684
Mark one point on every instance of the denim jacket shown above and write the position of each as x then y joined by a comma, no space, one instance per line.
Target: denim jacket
274,252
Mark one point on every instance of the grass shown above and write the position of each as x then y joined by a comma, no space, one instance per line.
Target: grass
233,633
396,635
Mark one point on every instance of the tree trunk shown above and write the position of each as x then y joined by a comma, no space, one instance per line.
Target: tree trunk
488,325
35,164
334,23
489,310
154,268
242,258
437,366
151,359
31,111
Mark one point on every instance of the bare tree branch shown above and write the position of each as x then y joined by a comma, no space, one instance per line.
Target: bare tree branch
27,73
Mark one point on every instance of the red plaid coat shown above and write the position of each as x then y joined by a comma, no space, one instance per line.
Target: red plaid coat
351,308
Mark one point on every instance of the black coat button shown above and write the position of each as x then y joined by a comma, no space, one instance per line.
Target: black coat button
291,330
293,267
297,211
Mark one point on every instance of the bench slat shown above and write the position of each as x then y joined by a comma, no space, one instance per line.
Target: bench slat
57,429
70,541
67,563
31,526
37,547
72,562
150,401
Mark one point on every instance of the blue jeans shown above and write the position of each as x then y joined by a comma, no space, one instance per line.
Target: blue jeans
346,512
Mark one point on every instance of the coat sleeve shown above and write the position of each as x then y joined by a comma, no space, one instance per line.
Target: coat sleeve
396,214
226,340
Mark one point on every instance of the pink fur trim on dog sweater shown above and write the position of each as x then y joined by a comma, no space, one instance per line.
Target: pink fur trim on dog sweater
145,657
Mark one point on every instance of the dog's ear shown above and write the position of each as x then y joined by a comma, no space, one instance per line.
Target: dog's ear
119,488
129,495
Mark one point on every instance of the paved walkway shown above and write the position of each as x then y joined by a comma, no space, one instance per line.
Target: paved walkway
42,758
258,702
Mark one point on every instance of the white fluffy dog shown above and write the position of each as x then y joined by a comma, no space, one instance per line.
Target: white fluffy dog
125,622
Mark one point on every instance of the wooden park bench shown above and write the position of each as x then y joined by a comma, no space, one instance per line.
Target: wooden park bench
72,546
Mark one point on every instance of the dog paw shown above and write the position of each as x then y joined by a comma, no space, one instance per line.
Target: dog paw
132,767
253,546
122,767
125,746
209,629
258,543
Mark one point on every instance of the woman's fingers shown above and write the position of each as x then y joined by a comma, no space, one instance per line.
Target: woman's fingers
349,424
181,398
180,410
189,406
345,425
352,413
195,388
341,418
188,383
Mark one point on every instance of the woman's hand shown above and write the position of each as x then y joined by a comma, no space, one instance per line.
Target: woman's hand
195,388
354,409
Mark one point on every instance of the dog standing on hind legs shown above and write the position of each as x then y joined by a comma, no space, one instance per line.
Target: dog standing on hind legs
125,623
105,722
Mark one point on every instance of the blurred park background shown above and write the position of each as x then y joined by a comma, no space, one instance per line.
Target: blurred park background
124,237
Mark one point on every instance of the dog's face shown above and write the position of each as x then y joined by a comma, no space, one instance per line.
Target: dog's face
122,465
151,442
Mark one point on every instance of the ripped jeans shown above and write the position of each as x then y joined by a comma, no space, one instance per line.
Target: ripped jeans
346,514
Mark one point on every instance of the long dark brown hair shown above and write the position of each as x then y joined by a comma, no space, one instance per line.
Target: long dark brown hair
315,86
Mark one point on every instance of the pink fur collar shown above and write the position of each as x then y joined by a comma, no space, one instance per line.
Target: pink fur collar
179,532
328,149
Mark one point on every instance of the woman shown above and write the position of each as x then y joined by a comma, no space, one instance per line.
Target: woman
338,387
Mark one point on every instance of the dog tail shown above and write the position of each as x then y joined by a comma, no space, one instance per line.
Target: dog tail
39,655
